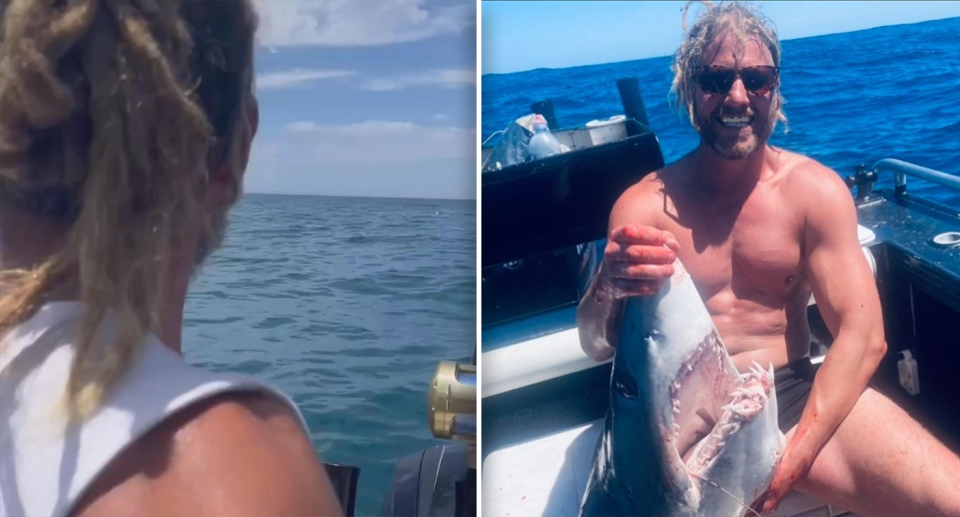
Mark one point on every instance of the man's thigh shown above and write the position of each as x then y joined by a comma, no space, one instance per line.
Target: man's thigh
881,457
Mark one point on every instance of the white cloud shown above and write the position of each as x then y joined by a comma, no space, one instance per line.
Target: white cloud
440,116
298,77
340,23
300,127
380,142
377,158
446,78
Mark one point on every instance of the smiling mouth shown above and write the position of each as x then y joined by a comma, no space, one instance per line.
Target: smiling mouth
735,122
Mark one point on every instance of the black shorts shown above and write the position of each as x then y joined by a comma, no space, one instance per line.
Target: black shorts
793,383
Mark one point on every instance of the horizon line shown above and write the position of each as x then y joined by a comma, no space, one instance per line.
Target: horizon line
361,196
668,55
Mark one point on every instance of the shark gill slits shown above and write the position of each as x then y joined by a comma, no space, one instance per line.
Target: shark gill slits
627,386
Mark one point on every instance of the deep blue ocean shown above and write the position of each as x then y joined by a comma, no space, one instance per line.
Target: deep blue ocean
856,97
347,305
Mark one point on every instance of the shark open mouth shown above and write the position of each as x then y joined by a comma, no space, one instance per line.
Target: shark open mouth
710,403
686,433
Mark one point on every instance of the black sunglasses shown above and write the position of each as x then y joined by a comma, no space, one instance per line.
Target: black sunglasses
758,80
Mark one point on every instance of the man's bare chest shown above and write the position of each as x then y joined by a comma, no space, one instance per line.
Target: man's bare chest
756,250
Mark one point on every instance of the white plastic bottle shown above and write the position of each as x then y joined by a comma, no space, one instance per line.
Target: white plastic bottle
543,143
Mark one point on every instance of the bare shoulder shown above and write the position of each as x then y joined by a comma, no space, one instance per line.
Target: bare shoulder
237,454
823,201
813,185
252,449
806,175
641,202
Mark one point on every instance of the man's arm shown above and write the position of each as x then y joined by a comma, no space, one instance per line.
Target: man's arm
635,263
848,300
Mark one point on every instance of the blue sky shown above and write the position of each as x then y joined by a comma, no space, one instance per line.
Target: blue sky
366,98
519,36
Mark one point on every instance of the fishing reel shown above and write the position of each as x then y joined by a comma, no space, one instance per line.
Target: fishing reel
452,414
452,406
442,480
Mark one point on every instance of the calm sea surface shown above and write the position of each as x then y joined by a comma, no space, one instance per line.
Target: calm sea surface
890,92
347,305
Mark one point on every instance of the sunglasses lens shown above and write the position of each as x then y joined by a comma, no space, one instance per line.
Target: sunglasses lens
758,80
716,80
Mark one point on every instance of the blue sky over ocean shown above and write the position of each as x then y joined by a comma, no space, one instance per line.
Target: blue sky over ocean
366,98
520,36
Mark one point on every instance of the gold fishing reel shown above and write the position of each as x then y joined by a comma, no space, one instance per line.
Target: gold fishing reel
452,405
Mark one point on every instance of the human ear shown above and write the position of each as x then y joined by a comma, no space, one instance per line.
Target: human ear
251,124
220,192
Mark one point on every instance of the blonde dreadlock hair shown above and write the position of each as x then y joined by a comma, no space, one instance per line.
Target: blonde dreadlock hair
744,22
112,113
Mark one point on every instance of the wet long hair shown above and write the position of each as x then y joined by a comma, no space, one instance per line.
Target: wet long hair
112,115
745,22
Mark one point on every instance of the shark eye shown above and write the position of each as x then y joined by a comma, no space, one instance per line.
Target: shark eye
627,386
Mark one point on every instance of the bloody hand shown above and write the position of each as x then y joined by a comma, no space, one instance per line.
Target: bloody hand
637,260
791,469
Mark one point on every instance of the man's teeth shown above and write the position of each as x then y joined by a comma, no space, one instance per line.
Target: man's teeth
735,121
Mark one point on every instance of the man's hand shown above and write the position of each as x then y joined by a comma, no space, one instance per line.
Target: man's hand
793,467
636,261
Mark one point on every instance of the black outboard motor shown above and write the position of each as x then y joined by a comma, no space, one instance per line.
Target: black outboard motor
344,479
442,480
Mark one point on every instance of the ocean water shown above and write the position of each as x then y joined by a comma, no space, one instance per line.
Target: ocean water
857,97
347,305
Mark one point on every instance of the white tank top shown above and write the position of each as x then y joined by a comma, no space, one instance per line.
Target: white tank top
46,465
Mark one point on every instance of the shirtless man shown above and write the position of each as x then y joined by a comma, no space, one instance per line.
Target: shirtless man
759,229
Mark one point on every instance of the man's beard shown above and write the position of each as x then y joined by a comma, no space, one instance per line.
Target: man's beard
736,147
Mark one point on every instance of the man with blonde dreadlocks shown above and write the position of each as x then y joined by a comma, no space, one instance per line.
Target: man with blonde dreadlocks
759,229
125,128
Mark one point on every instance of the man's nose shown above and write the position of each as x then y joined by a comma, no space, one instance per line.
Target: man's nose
737,96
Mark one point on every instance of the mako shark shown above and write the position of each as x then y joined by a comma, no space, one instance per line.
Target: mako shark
686,434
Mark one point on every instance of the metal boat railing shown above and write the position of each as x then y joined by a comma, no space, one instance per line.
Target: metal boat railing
865,179
902,169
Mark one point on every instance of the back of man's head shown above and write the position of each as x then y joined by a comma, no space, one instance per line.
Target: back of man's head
113,113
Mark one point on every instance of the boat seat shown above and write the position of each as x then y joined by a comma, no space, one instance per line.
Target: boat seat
548,476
